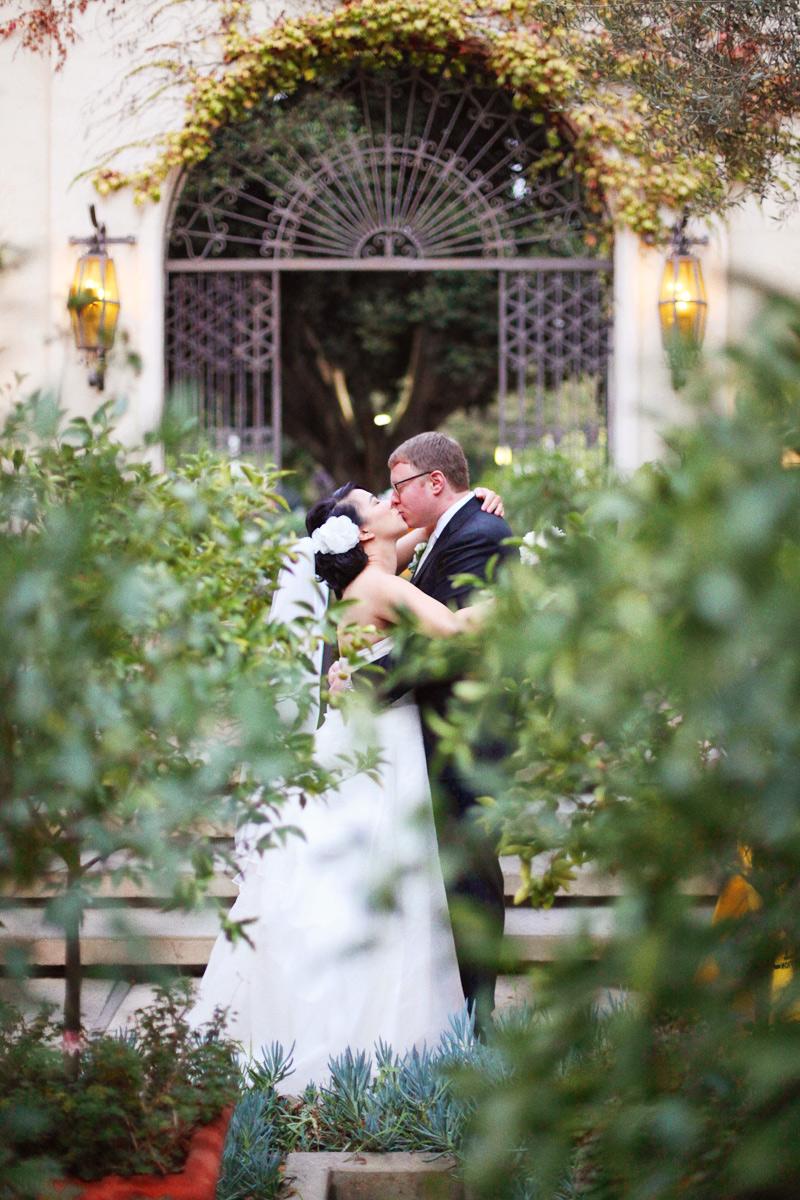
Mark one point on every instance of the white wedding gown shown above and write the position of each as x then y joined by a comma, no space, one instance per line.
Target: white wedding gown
327,970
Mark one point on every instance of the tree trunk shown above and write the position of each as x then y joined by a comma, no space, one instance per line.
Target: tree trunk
331,381
72,978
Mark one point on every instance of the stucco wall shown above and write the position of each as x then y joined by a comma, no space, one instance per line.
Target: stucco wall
56,125
25,233
764,252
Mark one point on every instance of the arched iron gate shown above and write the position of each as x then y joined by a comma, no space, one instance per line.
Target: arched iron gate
403,172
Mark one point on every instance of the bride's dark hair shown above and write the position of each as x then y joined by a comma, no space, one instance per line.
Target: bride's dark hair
337,570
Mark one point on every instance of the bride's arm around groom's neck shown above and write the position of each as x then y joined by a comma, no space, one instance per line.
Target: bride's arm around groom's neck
392,597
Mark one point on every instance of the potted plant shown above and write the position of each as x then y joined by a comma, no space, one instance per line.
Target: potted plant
152,1102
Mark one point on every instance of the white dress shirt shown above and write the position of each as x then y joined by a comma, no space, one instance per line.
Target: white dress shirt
446,516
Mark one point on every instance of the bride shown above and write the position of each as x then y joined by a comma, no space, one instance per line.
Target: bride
326,969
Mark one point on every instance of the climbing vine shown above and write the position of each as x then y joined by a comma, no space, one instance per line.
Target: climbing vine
569,72
44,26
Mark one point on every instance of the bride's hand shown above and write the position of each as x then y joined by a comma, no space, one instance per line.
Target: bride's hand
474,615
339,677
490,501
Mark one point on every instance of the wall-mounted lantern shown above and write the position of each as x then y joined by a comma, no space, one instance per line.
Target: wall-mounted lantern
94,297
682,303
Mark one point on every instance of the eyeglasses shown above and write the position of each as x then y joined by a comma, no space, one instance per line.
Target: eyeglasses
400,483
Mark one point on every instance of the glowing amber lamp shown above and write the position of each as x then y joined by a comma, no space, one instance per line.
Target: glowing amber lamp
682,303
94,302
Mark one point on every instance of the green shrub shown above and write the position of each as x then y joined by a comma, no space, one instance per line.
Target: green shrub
141,678
371,1103
646,674
543,485
131,1108
140,675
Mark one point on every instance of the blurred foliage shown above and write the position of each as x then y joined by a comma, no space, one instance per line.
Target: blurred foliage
141,676
136,1101
543,485
645,674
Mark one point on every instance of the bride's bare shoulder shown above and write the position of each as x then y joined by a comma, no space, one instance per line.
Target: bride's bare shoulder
373,582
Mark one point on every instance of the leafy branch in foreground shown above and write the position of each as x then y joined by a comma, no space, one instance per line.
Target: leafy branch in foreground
647,677
142,681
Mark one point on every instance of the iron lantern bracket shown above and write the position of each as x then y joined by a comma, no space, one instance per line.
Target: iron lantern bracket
681,241
98,240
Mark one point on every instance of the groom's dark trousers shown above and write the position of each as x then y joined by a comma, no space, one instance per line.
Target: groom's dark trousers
473,878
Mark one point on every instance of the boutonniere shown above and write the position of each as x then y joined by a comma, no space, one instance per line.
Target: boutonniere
419,550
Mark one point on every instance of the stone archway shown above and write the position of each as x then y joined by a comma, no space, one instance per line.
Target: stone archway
389,170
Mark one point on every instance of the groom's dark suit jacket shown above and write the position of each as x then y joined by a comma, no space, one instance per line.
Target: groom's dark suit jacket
468,543
470,540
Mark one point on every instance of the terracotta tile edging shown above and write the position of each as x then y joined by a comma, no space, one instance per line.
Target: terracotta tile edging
197,1181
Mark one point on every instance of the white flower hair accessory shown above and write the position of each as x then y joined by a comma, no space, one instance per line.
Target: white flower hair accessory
337,535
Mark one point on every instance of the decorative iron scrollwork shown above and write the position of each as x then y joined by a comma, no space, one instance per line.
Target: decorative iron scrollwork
441,161
395,166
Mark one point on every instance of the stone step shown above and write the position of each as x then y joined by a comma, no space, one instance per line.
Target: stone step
108,1005
130,928
101,999
137,937
123,936
107,888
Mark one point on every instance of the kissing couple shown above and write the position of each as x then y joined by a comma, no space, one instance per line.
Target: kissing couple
326,970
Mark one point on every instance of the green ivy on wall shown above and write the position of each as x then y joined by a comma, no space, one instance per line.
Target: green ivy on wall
600,127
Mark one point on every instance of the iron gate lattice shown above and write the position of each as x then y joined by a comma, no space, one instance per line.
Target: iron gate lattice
404,172
223,342
554,346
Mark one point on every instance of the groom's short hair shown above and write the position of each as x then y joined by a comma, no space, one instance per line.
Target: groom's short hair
435,452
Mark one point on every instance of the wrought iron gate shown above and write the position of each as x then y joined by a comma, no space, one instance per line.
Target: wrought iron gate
223,340
406,172
553,353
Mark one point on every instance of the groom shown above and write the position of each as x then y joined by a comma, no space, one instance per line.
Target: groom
430,489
